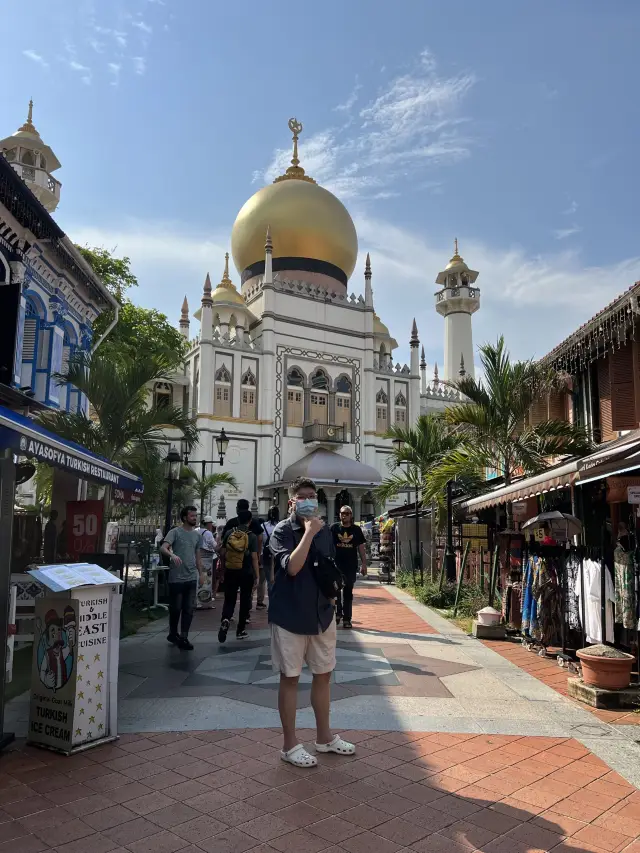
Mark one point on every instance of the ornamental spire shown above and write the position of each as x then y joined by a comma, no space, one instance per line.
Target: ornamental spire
367,267
414,334
226,281
28,126
295,170
423,360
462,372
185,308
268,243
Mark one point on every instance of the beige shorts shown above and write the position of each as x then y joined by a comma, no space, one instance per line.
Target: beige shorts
289,651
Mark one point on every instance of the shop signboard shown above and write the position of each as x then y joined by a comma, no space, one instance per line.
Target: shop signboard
633,494
74,657
84,526
520,510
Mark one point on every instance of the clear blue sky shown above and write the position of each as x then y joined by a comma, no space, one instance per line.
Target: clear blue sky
511,125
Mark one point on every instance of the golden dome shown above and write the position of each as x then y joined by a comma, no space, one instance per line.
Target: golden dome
456,261
310,228
226,290
382,331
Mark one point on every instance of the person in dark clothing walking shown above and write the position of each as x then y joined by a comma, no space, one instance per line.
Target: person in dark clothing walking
182,547
240,554
348,539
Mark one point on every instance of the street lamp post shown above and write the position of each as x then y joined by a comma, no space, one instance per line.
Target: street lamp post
172,465
449,555
222,443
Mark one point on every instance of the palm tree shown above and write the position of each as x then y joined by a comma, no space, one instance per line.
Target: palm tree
492,421
123,427
202,487
417,452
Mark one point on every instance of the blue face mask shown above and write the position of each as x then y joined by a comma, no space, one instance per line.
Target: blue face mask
307,508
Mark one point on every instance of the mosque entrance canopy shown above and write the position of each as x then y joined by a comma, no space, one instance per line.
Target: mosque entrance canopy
326,467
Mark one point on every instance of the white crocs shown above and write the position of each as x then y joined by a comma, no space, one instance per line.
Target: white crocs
337,745
299,757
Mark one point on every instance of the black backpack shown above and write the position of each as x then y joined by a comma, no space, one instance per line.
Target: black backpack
329,578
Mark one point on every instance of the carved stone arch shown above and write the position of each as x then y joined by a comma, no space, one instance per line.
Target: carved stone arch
381,397
343,384
401,400
319,380
295,372
222,374
248,378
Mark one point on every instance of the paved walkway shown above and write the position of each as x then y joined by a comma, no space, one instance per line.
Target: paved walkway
459,749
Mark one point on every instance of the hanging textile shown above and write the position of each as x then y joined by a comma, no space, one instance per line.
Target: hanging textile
529,604
572,569
592,606
625,583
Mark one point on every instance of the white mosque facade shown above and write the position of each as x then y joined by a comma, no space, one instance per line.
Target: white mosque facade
298,370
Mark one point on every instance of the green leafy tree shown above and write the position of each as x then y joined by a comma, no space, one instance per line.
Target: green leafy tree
114,272
492,422
203,488
137,329
125,426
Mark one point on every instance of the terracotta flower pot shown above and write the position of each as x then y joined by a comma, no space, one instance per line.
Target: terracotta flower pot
608,673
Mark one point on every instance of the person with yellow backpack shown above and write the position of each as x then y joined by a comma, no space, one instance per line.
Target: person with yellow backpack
240,554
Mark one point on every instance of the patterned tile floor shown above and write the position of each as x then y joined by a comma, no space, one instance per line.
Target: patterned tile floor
459,749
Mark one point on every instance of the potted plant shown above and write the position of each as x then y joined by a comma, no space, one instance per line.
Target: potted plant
605,667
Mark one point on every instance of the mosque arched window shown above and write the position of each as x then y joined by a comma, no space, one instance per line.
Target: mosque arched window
248,396
401,409
295,397
43,162
382,412
222,392
319,397
343,403
162,395
10,154
27,158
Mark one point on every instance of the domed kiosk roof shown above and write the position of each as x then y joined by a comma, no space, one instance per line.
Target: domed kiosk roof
325,466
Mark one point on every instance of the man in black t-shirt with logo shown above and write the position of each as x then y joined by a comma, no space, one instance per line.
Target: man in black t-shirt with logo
349,543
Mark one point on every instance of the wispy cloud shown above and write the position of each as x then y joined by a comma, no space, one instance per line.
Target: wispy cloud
563,233
413,123
142,25
36,57
571,209
139,64
114,69
348,105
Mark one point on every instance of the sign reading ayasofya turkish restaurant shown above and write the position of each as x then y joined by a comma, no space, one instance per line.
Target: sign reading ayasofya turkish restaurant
38,443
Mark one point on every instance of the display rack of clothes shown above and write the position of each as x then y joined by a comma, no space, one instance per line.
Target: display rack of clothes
387,549
542,600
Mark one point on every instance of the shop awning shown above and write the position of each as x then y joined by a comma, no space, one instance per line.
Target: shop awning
27,438
558,477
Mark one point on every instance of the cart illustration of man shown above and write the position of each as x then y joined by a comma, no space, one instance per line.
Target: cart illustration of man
56,648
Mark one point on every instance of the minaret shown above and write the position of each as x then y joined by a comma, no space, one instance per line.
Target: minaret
414,379
457,301
205,386
267,383
423,373
184,319
368,292
34,161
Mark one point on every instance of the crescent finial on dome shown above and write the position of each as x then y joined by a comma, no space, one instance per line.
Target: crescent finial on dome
295,172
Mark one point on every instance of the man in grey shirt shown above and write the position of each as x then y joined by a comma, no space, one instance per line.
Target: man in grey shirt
182,547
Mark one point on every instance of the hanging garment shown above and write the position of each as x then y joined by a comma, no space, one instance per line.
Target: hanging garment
625,582
529,604
546,593
592,607
572,569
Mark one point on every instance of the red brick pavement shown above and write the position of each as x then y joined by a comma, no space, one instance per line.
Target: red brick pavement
374,609
228,792
548,671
